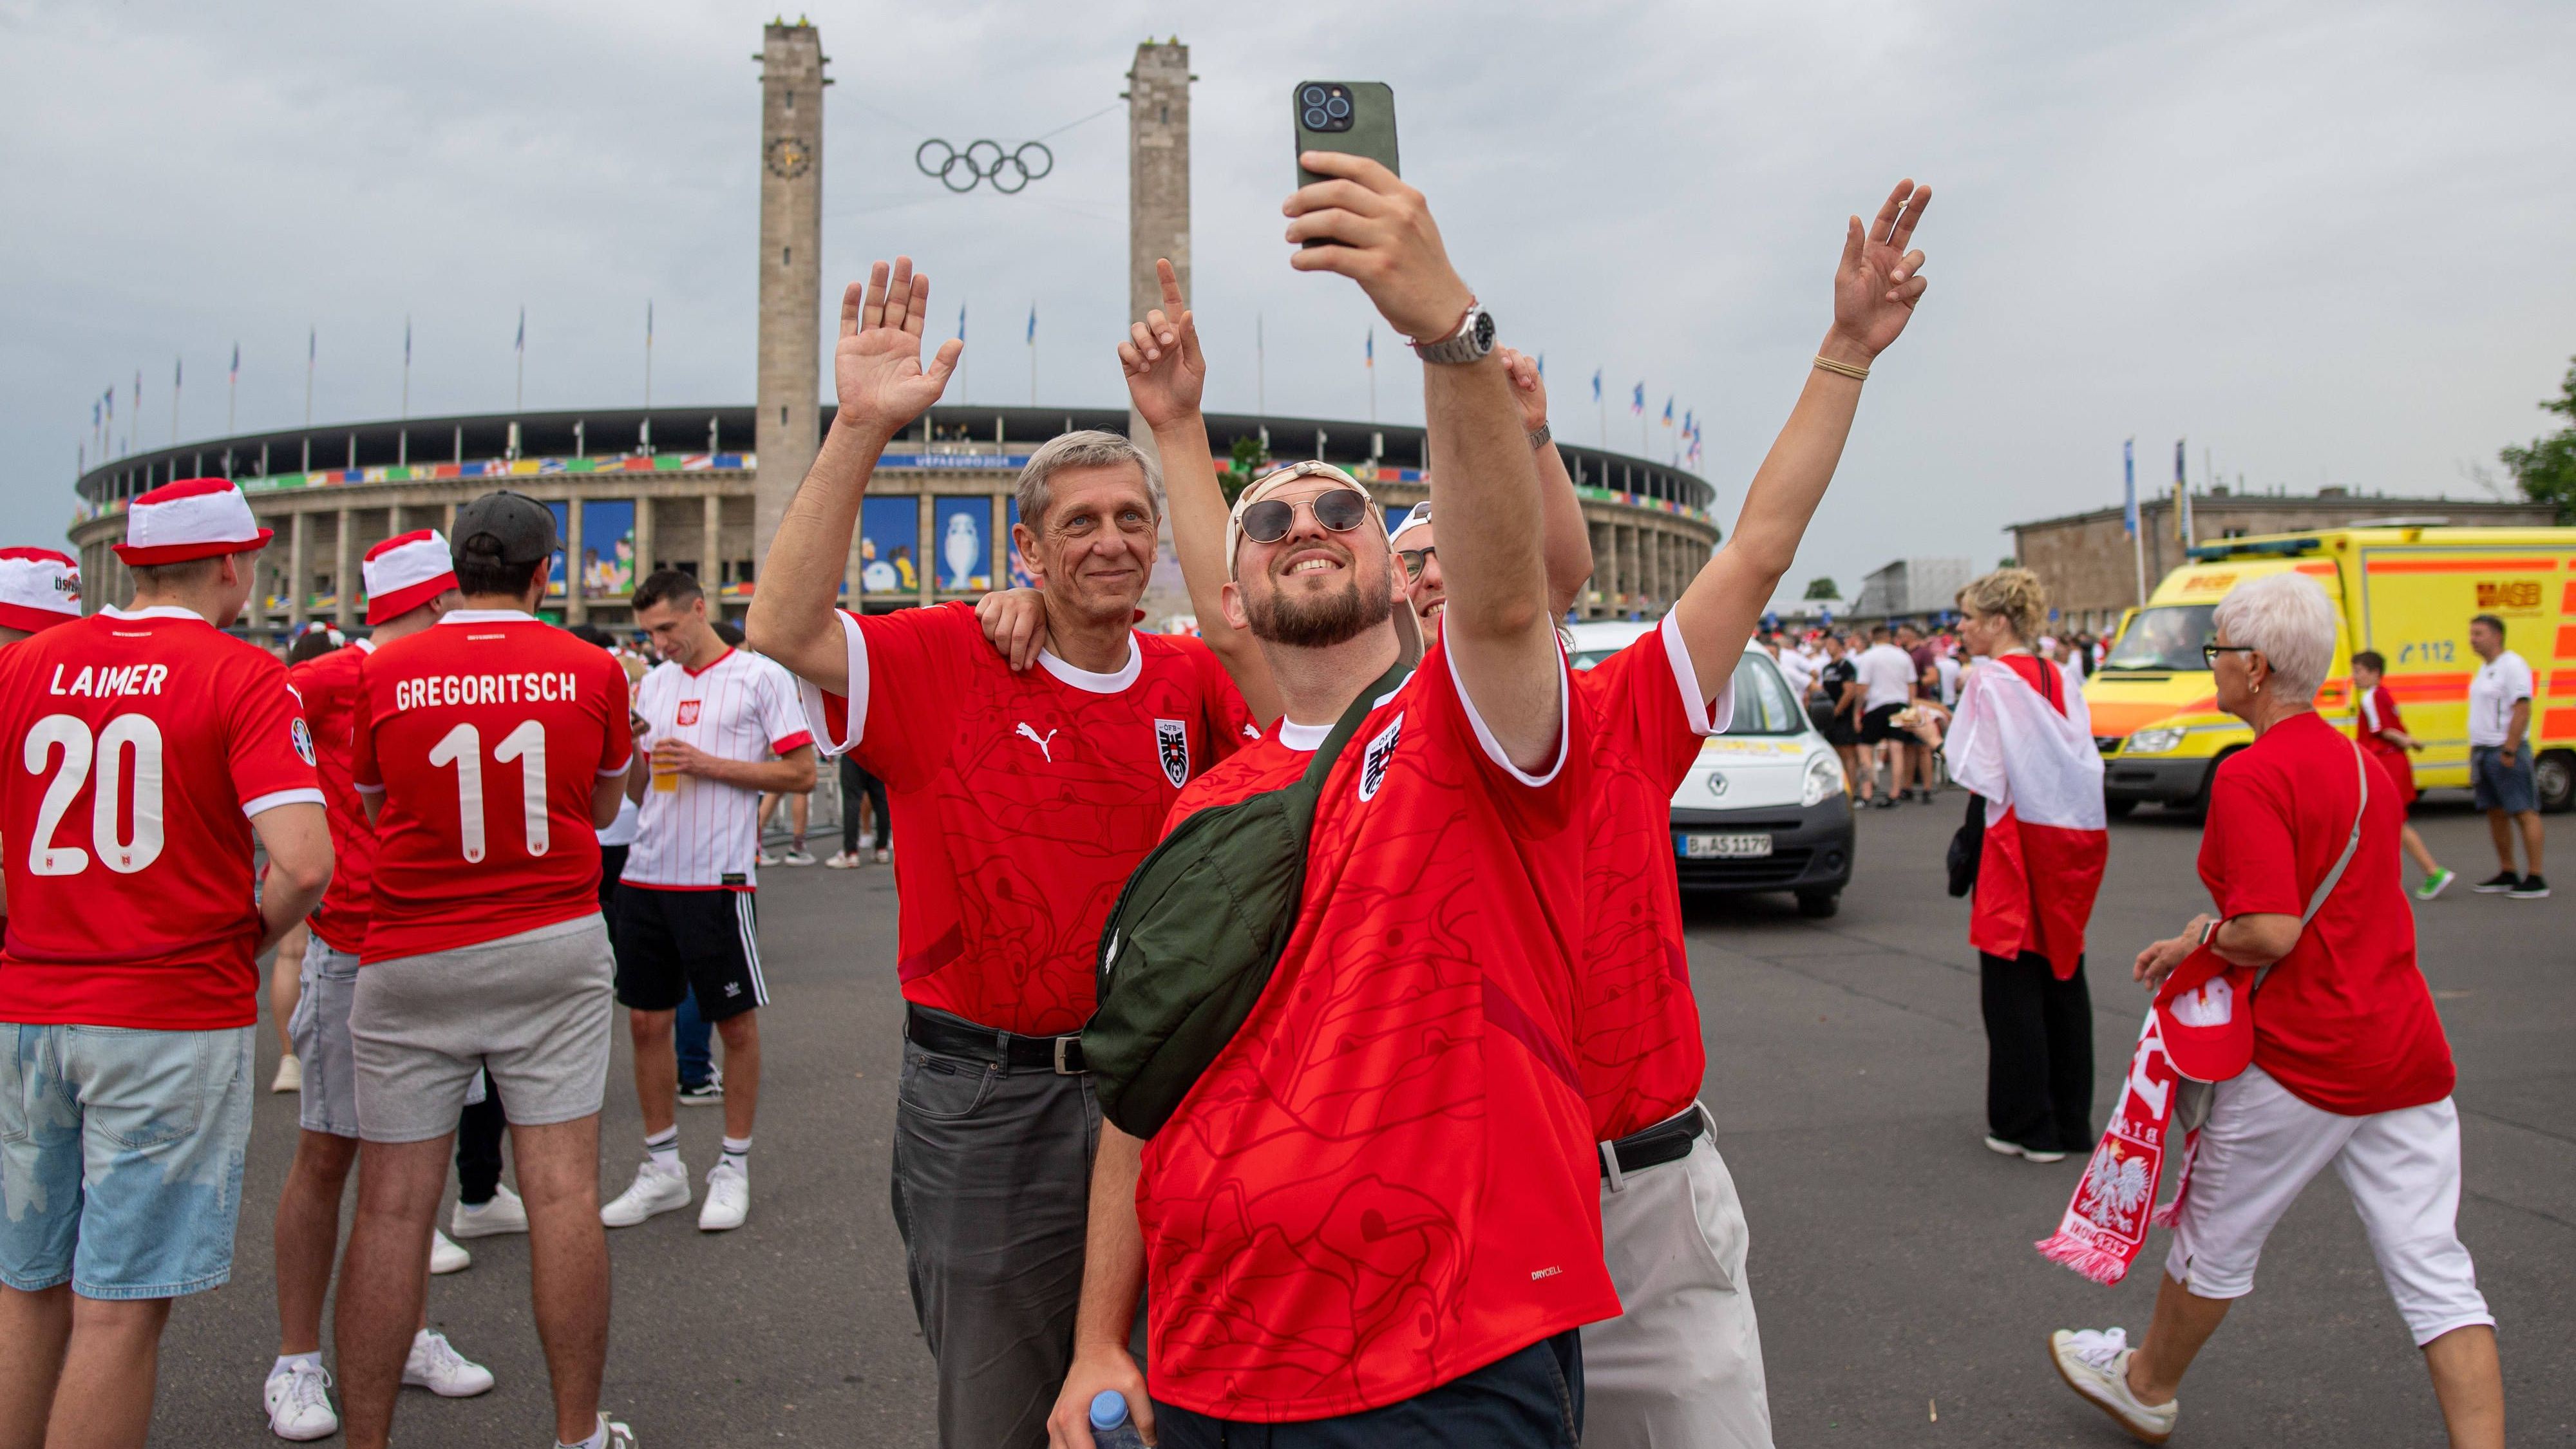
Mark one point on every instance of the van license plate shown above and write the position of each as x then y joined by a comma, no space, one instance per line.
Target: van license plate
1725,847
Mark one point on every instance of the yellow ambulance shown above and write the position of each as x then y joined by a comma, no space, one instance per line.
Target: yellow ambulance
2406,588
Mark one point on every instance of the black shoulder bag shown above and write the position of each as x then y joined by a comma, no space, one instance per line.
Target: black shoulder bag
1195,933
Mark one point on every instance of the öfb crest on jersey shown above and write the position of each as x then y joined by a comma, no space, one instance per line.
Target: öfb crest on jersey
1172,747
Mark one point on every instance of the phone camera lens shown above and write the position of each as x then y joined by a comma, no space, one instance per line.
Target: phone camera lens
1337,108
1316,119
1313,96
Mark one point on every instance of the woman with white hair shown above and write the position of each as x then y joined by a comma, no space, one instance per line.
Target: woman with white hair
2344,1062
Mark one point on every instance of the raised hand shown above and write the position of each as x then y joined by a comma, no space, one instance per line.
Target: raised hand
1165,369
876,366
1380,235
1528,388
1879,280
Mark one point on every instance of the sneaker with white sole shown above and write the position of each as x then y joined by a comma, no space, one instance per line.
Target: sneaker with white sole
290,1074
2497,884
503,1214
2027,1154
709,1093
445,1256
841,860
2434,884
797,855
767,857
435,1365
619,1436
728,1199
2095,1364
654,1191
299,1403
2532,888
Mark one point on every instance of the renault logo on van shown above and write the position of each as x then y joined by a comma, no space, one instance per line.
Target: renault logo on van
1716,783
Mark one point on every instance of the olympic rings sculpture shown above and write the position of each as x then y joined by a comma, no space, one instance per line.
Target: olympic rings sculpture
982,161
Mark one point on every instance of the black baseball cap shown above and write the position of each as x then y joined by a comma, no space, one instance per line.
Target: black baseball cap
524,527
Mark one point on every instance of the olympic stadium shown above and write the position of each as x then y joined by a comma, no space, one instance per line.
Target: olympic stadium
703,488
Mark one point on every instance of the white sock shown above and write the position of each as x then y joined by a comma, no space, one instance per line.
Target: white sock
287,1361
737,1154
598,1438
664,1148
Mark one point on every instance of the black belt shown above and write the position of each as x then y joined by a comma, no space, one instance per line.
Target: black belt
951,1037
1667,1141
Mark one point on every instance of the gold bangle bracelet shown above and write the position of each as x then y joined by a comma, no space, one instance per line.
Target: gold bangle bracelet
1842,369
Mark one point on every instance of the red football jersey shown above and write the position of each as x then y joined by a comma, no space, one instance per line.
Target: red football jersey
331,691
1640,1051
487,733
1021,802
146,741
1387,1179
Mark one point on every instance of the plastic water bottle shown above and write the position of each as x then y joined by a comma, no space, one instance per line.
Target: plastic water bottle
1111,1428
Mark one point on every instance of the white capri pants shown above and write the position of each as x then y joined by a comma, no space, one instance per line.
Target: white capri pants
2258,1152
1681,1368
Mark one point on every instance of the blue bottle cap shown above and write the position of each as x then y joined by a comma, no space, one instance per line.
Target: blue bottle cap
1108,1409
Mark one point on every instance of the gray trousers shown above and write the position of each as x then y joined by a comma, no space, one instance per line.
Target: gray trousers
992,1188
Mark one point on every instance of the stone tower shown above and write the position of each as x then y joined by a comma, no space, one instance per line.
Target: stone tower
789,428
1158,225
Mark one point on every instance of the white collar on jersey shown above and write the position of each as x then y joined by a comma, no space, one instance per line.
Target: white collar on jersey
485,616
1304,739
1097,683
157,611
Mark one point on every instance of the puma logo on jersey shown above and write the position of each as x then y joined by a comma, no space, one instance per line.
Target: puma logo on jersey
1380,751
1045,744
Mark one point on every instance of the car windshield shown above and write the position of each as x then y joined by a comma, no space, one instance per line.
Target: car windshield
2165,637
1763,703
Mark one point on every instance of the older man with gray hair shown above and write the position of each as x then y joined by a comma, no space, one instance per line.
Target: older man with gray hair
1021,801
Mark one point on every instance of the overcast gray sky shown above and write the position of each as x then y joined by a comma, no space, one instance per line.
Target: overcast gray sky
2329,243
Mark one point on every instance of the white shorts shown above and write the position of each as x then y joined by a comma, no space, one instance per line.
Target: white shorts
2258,1152
1681,1367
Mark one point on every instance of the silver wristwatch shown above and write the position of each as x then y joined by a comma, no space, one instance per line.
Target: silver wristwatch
1471,342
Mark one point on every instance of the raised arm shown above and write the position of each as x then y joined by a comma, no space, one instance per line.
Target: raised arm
1875,289
1500,636
882,386
1565,539
1166,372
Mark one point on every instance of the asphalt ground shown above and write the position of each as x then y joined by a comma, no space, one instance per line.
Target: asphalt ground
1900,1298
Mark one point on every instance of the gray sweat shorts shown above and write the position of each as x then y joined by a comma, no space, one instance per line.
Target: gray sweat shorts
534,1008
319,1029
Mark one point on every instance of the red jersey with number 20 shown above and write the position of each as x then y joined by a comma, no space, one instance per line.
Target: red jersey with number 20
1387,1179
487,733
141,744
1640,1051
330,687
1021,801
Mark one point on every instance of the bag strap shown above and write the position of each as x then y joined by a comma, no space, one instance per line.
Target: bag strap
1310,785
2351,846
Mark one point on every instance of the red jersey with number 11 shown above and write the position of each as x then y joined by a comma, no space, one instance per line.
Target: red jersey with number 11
487,734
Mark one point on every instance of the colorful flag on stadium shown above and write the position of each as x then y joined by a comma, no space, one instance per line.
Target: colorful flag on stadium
1368,354
1637,400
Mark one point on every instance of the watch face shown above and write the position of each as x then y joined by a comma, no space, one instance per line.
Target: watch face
789,157
1484,331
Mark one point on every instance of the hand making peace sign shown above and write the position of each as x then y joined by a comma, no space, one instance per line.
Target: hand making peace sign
1879,281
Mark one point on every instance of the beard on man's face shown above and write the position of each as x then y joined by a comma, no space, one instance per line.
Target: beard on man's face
1365,601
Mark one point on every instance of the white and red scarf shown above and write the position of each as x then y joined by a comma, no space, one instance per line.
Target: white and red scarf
2047,836
2105,1226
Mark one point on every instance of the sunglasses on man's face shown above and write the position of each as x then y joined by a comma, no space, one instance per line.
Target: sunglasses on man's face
1338,509
1416,558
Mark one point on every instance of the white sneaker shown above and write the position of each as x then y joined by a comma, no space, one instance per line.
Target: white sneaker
655,1191
2015,1149
445,1256
299,1403
728,1199
841,860
290,1074
619,1436
799,855
435,1365
503,1214
768,856
2096,1366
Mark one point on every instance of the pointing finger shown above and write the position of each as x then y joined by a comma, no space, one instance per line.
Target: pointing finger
1172,300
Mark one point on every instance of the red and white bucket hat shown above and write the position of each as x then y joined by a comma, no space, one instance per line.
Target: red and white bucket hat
192,518
406,571
39,588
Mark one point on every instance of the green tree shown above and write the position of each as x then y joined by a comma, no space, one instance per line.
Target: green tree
1824,589
2547,469
1247,465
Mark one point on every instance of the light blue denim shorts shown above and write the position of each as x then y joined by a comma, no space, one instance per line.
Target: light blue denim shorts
121,1158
